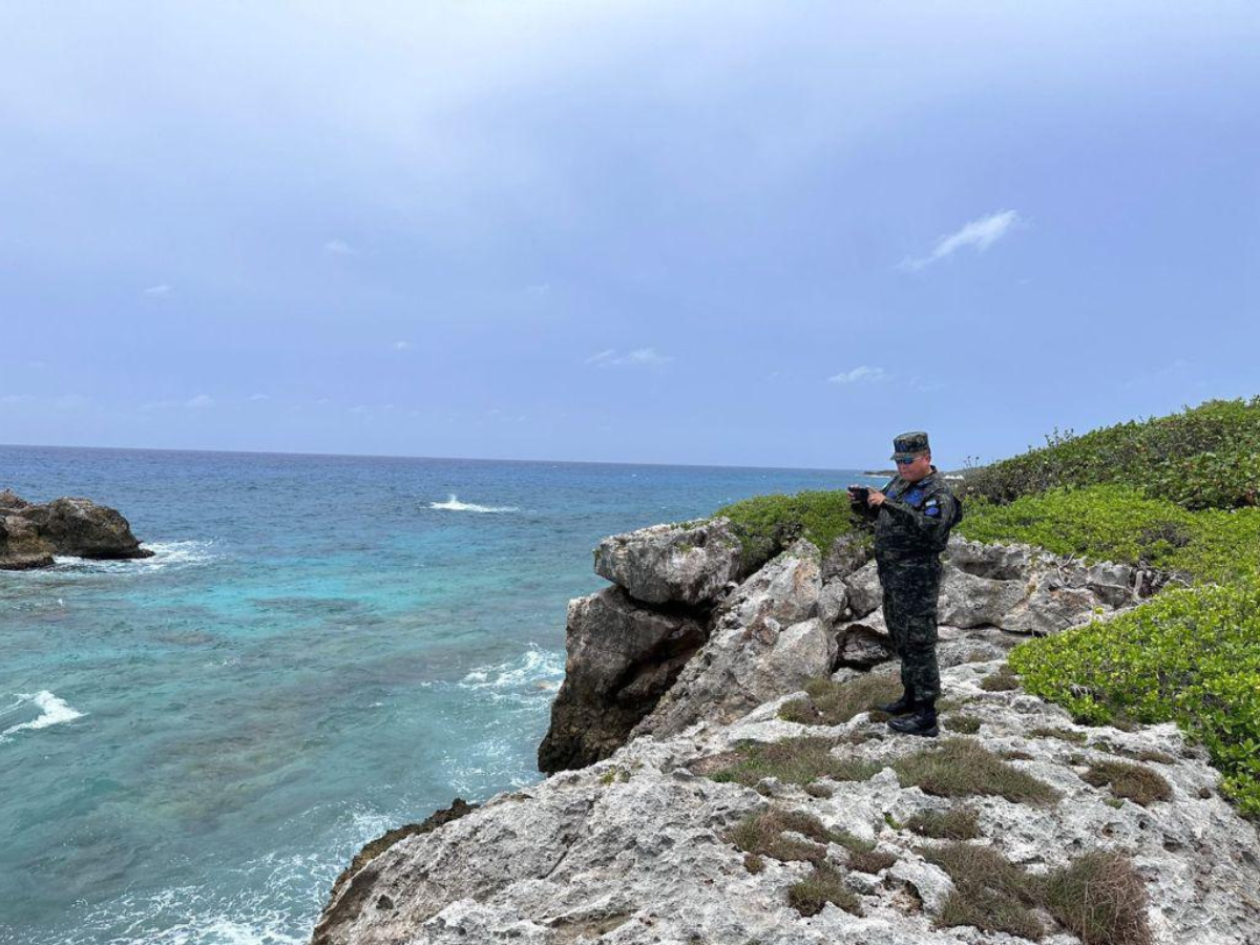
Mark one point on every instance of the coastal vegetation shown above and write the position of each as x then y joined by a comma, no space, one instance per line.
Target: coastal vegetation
1202,458
1179,494
1191,656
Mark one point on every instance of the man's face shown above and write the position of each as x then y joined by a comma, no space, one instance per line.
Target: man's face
917,468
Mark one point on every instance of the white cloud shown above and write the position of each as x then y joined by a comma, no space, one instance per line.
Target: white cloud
16,399
639,357
402,345
981,234
339,248
157,291
259,397
861,374
200,401
37,365
71,402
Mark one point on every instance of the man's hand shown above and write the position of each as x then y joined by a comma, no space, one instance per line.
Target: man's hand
875,499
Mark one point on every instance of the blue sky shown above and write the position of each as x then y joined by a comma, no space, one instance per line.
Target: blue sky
751,233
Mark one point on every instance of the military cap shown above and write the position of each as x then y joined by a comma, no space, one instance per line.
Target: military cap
908,444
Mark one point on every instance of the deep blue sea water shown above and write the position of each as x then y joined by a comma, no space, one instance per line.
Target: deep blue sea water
193,746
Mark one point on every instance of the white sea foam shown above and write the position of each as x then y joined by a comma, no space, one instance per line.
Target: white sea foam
166,554
535,668
53,711
452,504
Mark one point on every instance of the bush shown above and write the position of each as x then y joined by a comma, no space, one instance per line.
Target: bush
1205,457
1190,656
1119,523
766,524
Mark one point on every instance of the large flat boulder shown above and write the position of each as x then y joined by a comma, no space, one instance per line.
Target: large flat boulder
687,564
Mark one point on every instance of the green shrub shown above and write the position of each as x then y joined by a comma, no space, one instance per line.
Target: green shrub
1203,457
1119,523
766,524
1190,656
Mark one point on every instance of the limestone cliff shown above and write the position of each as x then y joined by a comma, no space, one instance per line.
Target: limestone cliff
713,801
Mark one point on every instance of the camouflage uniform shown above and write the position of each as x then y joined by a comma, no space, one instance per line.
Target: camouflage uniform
911,530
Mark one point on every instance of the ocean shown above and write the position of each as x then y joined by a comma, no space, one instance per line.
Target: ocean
193,746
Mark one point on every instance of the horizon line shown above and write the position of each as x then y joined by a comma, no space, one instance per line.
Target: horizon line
462,459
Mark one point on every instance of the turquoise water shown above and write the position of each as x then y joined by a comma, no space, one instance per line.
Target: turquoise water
193,746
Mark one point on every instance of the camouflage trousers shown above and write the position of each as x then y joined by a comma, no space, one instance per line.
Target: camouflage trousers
910,588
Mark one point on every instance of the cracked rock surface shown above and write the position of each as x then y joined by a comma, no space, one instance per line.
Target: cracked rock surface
635,850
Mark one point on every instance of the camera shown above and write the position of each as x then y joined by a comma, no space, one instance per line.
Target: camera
859,494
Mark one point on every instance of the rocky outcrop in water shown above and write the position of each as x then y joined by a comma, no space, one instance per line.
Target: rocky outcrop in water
31,534
654,840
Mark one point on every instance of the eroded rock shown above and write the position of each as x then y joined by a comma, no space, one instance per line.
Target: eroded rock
30,534
688,565
622,657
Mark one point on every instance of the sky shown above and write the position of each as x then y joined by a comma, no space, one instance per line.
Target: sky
709,233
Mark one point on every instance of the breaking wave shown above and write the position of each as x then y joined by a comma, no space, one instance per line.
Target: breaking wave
166,554
452,504
53,710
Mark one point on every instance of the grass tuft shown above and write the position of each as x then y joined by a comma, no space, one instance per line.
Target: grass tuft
990,892
1004,680
959,767
833,703
958,823
824,885
793,761
1136,782
1062,734
964,724
1101,898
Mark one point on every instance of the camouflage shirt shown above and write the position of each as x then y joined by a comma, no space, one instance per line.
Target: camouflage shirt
915,518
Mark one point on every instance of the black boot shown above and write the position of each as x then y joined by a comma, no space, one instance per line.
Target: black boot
901,706
923,722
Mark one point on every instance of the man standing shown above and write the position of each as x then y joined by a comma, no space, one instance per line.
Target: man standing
913,516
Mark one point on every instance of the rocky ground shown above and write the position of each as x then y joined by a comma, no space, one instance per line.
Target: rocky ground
32,533
714,801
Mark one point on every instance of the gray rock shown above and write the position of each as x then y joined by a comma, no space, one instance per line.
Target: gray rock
672,564
31,534
636,849
622,657
833,601
766,642
865,592
864,646
846,555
